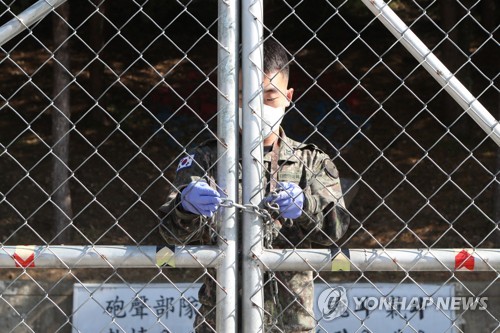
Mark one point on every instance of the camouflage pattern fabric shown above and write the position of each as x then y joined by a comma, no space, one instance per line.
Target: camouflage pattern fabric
323,221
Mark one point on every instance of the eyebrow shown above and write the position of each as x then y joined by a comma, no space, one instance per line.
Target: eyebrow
271,89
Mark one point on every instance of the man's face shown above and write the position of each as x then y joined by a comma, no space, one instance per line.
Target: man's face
276,95
275,89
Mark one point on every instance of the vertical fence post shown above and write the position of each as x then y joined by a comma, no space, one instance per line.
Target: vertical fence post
227,169
252,154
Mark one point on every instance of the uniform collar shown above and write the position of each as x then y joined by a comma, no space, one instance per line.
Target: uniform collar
286,150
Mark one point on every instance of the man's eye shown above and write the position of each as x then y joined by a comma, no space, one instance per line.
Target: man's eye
270,99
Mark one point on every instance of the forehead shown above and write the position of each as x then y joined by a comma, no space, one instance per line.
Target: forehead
273,81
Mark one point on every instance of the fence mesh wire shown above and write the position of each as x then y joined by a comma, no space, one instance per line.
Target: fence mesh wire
138,89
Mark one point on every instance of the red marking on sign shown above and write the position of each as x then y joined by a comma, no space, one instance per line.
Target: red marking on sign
28,262
464,259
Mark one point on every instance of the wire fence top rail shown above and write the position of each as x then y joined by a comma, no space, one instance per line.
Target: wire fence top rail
436,68
27,18
360,260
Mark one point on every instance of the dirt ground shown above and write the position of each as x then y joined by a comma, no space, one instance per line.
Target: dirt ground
423,180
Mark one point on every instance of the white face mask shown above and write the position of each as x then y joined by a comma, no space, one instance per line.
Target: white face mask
271,119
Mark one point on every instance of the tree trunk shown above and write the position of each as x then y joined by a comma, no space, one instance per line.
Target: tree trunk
96,69
61,195
450,58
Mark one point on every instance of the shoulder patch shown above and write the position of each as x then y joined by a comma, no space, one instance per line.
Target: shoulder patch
330,168
185,162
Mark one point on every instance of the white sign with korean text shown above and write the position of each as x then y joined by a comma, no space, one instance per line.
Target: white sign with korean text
135,308
166,308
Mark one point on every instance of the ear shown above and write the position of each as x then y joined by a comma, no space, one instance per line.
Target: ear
289,96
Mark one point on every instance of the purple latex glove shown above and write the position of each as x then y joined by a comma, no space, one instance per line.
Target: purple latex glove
199,198
289,198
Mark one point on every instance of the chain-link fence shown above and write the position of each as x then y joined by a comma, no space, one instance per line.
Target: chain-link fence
158,206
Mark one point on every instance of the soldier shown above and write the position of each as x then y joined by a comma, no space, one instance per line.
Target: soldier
300,179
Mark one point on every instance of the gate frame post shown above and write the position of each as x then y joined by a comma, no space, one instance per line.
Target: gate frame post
227,168
252,155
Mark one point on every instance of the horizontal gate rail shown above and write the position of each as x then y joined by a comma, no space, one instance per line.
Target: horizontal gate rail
365,260
362,260
112,256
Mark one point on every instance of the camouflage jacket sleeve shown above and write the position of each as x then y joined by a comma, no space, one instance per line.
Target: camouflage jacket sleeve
177,225
324,217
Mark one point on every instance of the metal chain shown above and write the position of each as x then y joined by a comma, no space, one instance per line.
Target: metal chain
249,208
265,214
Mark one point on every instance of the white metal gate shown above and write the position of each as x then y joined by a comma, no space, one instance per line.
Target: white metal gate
148,80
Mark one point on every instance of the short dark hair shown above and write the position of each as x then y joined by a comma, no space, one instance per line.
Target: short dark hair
275,58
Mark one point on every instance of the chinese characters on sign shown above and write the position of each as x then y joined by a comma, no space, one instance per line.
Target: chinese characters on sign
167,308
162,306
117,308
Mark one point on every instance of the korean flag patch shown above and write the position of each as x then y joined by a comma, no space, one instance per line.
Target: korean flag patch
185,162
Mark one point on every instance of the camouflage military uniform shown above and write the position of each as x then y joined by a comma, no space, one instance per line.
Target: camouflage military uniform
323,221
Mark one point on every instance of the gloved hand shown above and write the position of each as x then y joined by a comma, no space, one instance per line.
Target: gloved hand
289,198
199,198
